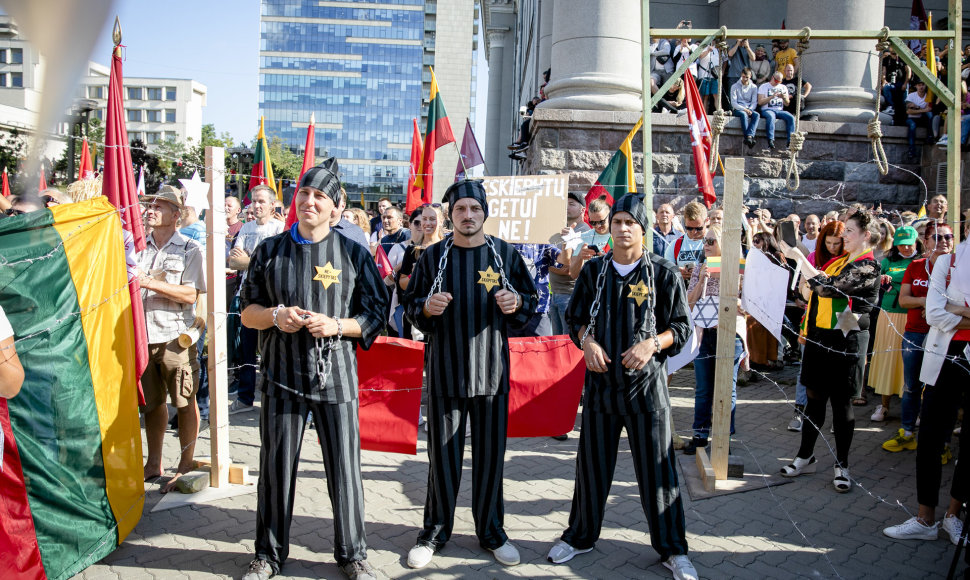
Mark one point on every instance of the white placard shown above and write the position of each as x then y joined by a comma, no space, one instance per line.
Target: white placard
765,291
528,209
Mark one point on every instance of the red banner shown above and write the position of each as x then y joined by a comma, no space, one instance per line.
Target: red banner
390,376
18,539
546,378
700,140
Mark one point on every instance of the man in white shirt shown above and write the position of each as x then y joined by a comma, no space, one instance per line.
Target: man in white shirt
250,235
772,98
688,250
918,112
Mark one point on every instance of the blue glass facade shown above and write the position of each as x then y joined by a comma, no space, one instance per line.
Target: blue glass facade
359,71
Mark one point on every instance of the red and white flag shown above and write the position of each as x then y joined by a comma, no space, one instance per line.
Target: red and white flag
700,140
917,21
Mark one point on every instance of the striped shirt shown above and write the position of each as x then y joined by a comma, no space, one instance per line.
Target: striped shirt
178,262
335,277
468,345
622,322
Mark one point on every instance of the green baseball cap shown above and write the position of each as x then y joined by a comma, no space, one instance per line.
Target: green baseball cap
905,236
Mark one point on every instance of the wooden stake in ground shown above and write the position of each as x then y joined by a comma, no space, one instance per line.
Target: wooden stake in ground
727,314
215,226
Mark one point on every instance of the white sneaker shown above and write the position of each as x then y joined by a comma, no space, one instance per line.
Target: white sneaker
912,529
879,414
890,111
238,406
681,567
506,554
420,556
953,526
563,552
942,142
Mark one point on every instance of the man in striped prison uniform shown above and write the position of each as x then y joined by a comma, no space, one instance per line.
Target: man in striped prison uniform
628,313
465,304
314,296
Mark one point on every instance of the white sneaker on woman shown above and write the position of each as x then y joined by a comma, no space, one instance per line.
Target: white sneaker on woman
880,413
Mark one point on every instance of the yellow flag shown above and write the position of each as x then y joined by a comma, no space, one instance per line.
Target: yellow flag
922,212
930,55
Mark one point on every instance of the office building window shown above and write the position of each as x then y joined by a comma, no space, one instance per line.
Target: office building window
3,55
133,136
169,93
154,116
3,80
154,93
134,115
16,79
153,137
95,92
169,115
16,56
98,114
134,93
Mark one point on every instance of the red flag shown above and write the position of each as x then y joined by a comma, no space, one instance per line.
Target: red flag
42,186
917,21
85,169
438,134
414,197
119,187
6,183
389,379
383,263
546,380
309,160
700,137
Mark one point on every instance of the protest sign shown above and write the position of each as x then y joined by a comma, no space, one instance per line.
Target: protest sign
527,209
763,295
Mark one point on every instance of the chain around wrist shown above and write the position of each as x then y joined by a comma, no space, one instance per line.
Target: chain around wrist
276,311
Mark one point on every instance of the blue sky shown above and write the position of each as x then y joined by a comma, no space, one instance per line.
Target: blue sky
213,42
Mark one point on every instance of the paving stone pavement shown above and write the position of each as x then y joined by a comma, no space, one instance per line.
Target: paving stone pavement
803,529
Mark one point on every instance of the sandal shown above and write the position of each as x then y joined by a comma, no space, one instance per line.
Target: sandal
841,481
859,402
799,466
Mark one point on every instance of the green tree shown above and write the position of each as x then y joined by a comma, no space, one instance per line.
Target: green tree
286,164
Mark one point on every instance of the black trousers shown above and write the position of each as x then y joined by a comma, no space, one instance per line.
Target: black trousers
281,426
940,404
843,419
446,447
651,446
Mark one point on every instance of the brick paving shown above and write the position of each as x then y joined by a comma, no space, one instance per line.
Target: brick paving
756,534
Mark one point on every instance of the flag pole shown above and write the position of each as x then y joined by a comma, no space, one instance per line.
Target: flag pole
461,159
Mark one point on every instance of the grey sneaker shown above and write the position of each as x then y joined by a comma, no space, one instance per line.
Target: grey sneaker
954,527
681,567
359,570
506,554
259,570
563,552
912,529
796,422
238,406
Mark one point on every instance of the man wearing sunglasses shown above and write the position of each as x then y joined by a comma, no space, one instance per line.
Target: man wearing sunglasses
592,242
688,250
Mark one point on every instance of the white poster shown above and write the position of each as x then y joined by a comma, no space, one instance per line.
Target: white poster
765,291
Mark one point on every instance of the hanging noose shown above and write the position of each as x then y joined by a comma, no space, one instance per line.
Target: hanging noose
720,117
797,137
874,127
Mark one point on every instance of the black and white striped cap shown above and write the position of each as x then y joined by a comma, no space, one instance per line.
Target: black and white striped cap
472,188
324,177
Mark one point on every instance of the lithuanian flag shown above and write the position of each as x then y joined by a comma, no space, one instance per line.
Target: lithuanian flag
71,481
618,177
438,134
262,173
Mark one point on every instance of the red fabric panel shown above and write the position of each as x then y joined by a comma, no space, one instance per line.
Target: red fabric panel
546,382
19,552
390,378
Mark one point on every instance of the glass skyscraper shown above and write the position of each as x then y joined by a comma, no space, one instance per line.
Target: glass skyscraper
357,66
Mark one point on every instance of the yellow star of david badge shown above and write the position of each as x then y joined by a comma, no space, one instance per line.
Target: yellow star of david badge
327,275
639,292
489,278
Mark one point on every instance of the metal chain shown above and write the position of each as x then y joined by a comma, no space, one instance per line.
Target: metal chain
501,268
442,264
594,309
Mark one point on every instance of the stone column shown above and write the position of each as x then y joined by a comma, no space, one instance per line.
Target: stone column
546,20
595,55
843,74
494,147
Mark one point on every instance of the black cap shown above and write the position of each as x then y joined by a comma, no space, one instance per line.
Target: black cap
324,177
632,203
472,188
578,196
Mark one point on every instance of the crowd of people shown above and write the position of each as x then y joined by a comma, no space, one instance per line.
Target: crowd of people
875,299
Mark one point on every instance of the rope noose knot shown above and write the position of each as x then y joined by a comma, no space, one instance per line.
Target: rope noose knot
719,121
794,146
874,129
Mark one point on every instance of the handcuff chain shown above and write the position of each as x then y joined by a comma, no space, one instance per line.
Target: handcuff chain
594,309
442,264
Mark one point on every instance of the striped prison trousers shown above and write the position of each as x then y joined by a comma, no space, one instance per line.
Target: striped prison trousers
281,426
653,461
446,446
